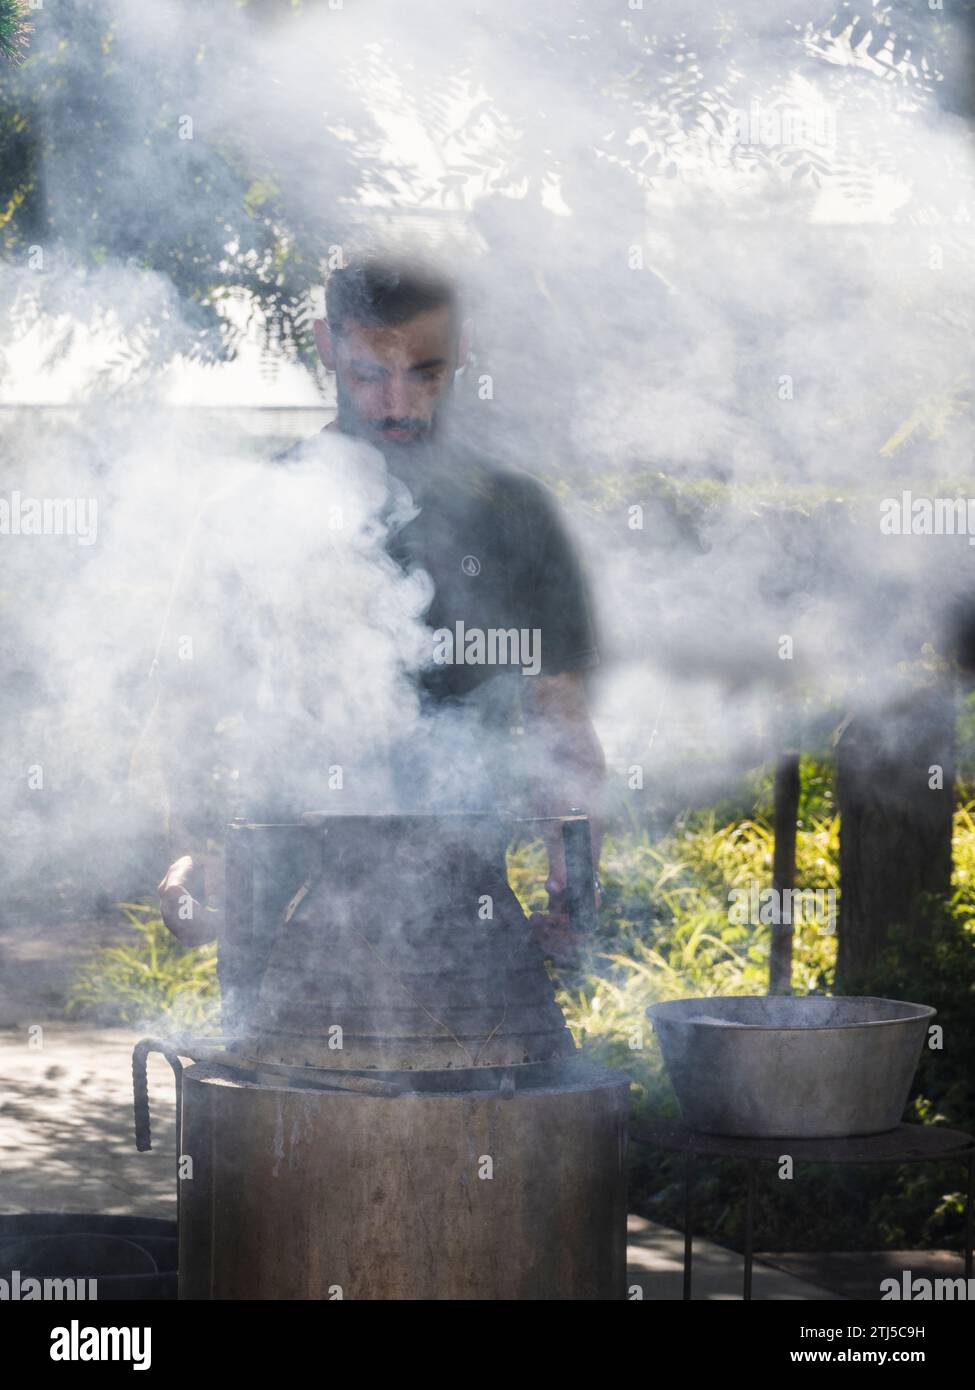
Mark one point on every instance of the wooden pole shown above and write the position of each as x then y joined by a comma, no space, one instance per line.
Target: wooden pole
785,814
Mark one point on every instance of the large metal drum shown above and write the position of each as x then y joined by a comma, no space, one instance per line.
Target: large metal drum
513,1190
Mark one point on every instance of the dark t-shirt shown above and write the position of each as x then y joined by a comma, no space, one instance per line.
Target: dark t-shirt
501,563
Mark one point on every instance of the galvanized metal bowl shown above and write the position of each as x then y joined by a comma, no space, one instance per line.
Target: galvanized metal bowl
781,1066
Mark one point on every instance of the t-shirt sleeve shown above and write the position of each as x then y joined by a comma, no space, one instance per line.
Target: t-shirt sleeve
560,598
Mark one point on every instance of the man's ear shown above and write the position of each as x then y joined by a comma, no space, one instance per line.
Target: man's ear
464,343
323,341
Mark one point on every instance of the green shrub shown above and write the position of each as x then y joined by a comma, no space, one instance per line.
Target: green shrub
149,978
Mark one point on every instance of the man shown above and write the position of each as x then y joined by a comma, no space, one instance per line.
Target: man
504,572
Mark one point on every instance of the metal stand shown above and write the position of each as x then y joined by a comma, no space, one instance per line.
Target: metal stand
905,1144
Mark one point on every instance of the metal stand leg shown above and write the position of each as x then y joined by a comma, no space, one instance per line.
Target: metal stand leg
688,1236
969,1202
749,1230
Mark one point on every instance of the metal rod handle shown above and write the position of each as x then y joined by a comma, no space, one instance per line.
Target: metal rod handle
580,874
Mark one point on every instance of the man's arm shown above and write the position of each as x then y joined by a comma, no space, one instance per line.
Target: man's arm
182,898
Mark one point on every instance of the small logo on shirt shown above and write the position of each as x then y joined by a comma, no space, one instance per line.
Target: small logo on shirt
494,646
471,565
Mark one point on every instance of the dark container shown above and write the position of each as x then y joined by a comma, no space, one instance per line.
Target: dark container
128,1257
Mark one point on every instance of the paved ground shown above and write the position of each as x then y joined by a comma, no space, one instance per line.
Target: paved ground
655,1256
66,1132
41,949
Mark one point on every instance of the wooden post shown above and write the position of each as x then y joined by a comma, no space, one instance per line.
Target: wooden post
895,792
784,817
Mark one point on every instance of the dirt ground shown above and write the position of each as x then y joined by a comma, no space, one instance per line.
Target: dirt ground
66,1123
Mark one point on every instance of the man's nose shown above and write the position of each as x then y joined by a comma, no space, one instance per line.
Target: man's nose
397,400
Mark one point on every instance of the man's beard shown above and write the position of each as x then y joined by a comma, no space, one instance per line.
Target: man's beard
409,459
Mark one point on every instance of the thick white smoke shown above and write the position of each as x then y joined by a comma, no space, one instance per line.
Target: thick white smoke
732,249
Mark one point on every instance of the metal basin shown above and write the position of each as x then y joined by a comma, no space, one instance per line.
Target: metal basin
776,1065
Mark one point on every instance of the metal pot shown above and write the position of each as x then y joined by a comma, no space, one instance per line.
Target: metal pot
777,1065
389,942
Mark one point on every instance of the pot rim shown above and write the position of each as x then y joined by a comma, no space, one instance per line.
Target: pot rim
922,1011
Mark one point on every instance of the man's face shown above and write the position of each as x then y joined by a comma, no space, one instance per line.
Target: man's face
391,380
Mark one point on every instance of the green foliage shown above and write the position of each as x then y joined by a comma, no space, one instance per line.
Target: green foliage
13,30
91,122
76,138
148,978
965,749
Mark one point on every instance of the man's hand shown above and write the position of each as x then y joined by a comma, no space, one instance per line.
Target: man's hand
187,884
569,771
555,934
557,940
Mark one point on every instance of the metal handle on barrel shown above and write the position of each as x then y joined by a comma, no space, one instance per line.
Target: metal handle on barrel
140,1089
580,869
580,873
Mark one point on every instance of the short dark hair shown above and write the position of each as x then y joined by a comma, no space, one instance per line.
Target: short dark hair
384,290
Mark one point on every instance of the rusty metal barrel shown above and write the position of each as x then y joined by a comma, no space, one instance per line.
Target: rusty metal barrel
517,1192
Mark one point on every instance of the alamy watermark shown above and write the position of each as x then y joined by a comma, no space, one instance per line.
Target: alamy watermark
77,1343
920,1289
49,516
792,127
908,515
754,906
27,1289
493,646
